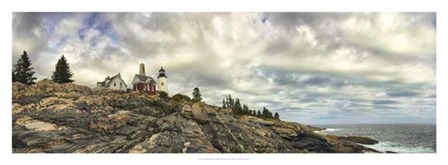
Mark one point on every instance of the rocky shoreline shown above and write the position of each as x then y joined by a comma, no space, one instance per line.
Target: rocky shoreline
68,118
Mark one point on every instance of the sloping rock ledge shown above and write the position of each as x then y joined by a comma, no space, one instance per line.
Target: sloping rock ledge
68,118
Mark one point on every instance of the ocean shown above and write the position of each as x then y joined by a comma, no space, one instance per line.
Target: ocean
400,138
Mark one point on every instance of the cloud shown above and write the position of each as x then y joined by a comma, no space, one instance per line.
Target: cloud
381,102
403,94
29,34
309,67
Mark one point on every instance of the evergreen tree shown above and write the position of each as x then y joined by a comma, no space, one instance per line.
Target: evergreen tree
223,103
197,95
237,107
62,73
22,71
231,102
259,113
266,113
246,110
277,116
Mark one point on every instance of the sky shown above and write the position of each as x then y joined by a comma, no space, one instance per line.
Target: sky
312,68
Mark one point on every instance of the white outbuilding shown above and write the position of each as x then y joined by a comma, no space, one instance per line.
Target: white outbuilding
115,82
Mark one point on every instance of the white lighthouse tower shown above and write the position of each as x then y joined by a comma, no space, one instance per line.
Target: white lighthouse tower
162,81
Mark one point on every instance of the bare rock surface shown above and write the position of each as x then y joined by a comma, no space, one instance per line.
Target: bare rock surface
68,118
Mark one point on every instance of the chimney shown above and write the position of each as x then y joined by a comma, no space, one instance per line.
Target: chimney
142,69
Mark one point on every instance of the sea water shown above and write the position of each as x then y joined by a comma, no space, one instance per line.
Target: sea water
401,138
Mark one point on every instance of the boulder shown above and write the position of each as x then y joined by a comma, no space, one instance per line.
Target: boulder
199,113
210,111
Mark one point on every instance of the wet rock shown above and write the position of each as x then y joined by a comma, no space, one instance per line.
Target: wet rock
360,140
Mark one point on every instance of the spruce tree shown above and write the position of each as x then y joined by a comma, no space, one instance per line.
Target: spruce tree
266,113
237,107
231,103
62,73
22,71
197,95
223,103
246,110
277,116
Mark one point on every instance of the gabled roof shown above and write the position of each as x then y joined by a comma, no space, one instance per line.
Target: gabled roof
101,84
107,81
143,79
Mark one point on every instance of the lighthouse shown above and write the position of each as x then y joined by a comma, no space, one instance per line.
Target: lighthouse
162,81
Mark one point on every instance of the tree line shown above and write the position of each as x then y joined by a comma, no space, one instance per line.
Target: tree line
228,102
23,71
243,109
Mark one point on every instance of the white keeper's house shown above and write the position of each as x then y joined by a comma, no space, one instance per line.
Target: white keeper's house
115,82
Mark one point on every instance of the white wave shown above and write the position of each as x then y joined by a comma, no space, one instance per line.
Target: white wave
329,130
389,146
333,129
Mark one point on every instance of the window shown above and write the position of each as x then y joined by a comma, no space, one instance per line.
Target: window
120,85
115,84
162,83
